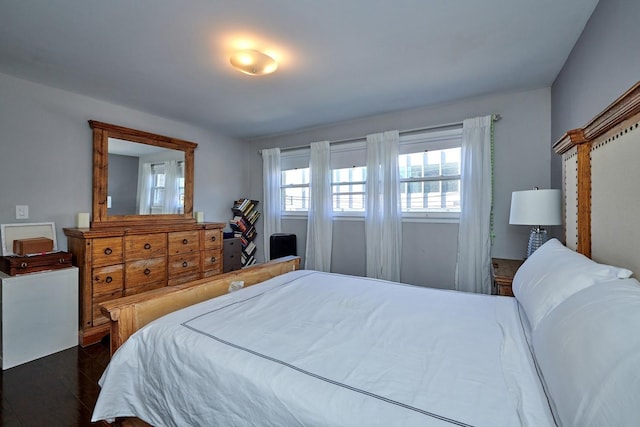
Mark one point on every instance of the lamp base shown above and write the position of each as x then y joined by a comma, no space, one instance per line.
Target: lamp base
537,238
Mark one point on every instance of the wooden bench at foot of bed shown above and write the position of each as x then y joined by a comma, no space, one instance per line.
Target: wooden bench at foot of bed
128,314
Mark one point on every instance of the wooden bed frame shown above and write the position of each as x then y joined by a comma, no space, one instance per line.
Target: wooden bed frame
600,183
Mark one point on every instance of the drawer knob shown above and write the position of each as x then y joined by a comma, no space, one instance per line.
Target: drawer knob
23,265
147,272
213,259
185,264
109,279
61,260
185,241
213,238
108,251
147,245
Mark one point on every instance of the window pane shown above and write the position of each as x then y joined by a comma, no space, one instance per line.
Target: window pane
295,176
451,161
348,189
158,196
295,199
430,164
436,196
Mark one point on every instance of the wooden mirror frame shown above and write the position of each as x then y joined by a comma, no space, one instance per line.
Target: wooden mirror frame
101,134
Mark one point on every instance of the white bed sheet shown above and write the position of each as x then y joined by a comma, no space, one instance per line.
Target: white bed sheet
318,349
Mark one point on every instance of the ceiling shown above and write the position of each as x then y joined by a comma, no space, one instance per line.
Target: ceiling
339,59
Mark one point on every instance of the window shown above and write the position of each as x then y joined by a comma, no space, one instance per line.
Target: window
430,174
348,185
159,184
295,190
348,179
429,164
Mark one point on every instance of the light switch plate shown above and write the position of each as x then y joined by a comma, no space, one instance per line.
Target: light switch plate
22,212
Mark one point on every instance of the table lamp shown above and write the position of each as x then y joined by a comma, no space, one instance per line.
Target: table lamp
536,207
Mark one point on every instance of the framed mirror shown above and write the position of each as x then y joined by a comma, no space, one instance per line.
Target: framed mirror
140,177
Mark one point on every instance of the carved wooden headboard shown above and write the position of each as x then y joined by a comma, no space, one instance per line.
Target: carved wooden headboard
601,184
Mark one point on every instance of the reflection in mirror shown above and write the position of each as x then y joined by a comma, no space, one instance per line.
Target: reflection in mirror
144,179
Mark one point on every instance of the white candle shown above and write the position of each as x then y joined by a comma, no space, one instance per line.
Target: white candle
199,216
82,220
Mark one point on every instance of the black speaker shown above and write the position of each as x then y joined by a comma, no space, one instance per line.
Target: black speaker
282,244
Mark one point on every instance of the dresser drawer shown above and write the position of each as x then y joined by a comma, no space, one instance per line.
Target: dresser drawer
144,271
182,242
106,251
145,246
212,260
107,280
232,254
213,239
181,265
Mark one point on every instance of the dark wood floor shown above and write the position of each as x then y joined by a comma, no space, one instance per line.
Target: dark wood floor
57,390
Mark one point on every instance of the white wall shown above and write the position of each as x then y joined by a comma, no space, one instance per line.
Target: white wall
522,161
46,149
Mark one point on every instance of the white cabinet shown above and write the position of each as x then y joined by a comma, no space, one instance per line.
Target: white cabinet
39,315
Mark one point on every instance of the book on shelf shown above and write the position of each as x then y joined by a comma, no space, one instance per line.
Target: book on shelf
248,260
251,234
253,217
247,210
240,204
245,216
250,248
237,226
244,206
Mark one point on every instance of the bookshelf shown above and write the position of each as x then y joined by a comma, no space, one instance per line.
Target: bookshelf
245,215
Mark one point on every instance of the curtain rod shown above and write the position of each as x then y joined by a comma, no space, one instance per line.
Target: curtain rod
496,117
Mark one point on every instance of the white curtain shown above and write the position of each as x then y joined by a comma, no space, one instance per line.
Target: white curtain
320,217
383,217
271,194
171,187
473,268
144,189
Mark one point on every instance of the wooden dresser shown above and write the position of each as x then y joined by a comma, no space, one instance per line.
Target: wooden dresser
504,271
122,261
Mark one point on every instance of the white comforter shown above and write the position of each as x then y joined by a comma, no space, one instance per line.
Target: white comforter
319,349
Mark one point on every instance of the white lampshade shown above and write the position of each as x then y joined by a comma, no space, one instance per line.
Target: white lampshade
536,207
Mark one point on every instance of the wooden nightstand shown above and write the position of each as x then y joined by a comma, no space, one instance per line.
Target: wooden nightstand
503,272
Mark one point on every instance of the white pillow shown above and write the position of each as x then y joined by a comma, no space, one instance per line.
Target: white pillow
552,274
588,352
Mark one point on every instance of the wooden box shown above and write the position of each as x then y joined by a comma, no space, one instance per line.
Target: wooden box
34,245
15,264
26,231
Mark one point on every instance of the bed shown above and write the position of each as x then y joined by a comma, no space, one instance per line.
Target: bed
298,347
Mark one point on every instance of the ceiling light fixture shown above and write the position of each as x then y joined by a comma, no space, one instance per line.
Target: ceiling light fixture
253,62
